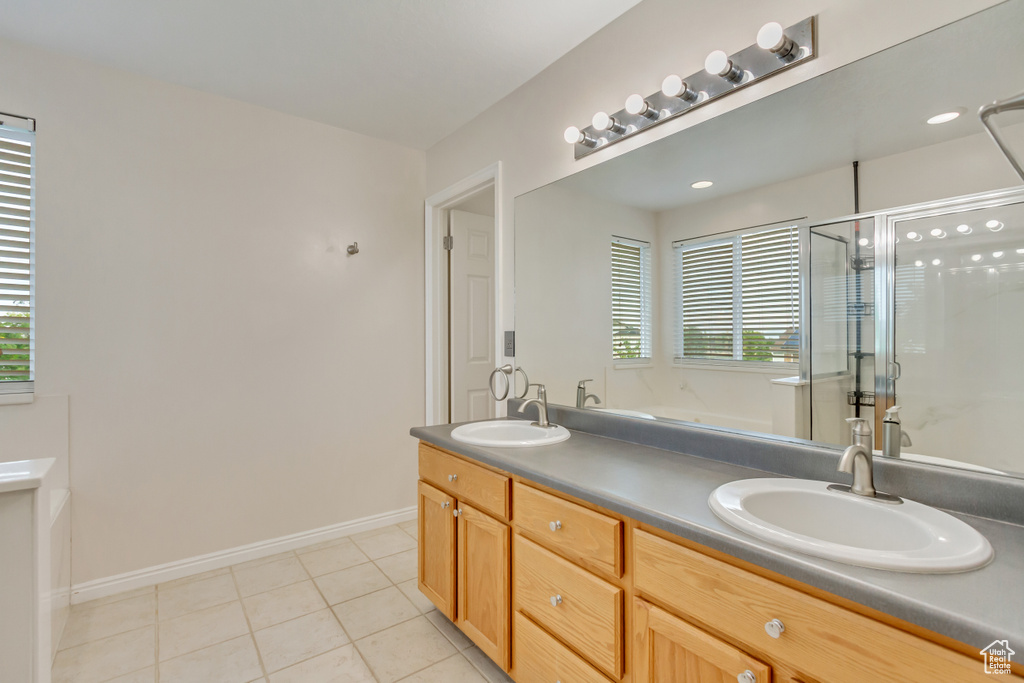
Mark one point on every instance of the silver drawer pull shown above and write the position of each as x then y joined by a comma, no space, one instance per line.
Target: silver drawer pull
746,677
555,526
556,600
445,505
453,477
774,628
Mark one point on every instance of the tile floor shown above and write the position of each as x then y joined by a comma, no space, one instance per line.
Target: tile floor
343,611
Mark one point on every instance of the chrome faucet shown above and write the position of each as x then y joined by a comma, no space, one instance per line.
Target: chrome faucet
857,460
542,405
582,395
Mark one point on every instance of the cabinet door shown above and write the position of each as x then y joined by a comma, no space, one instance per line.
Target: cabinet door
483,581
669,650
437,548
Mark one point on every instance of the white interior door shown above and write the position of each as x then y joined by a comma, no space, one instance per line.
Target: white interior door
471,304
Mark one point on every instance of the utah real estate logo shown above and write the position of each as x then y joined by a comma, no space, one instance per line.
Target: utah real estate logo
997,657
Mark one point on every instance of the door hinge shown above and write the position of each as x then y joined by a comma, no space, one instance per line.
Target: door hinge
448,242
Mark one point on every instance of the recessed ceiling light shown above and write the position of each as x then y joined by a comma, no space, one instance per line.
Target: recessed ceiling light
963,229
913,236
994,226
997,254
938,232
919,264
976,258
936,262
701,184
944,118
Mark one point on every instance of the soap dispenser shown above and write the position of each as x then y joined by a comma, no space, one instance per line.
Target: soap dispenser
892,437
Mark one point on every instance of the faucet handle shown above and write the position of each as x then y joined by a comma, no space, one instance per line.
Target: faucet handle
583,383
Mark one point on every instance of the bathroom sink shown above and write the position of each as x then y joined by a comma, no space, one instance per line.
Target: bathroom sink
625,413
509,434
808,517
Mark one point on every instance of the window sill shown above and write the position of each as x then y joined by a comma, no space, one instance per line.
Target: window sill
15,399
788,371
632,366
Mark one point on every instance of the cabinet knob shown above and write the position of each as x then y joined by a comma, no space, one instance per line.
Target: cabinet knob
445,505
746,677
556,600
456,512
555,526
453,477
774,628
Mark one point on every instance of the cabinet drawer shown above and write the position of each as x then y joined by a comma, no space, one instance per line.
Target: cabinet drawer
582,610
541,658
571,530
821,640
487,490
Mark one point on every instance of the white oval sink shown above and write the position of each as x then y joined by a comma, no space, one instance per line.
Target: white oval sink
806,516
509,433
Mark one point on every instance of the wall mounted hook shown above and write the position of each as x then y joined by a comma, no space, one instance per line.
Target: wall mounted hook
353,248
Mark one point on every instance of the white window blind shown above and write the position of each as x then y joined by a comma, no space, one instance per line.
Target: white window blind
737,297
17,339
632,299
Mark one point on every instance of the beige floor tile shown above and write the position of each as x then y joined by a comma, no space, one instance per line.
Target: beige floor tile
234,661
270,575
383,542
193,577
333,558
87,623
104,659
352,583
188,597
145,590
411,527
449,630
455,669
417,598
400,567
491,671
293,641
201,629
282,604
375,612
263,560
147,675
343,665
323,544
404,649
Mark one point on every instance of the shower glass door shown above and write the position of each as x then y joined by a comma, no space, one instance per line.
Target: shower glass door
953,329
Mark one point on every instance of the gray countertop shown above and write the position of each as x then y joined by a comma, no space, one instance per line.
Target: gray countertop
669,490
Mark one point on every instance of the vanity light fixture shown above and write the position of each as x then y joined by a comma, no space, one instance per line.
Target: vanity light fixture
575,136
994,226
701,184
943,118
913,236
603,121
674,86
772,37
777,49
938,232
964,229
719,64
638,106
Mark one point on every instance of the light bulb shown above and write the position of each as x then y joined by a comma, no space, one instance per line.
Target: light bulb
938,232
913,236
574,135
943,118
863,241
1020,251
936,262
772,37
963,229
719,64
638,106
674,86
602,121
976,257
919,264
701,184
997,254
994,226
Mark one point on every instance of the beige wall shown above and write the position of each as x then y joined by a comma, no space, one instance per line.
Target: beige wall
232,374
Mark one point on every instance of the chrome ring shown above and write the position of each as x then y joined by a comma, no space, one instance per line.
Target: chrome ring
490,384
526,383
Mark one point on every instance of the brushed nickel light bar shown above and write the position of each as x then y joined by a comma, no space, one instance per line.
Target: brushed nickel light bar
777,49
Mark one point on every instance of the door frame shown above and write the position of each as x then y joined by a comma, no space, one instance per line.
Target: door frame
435,284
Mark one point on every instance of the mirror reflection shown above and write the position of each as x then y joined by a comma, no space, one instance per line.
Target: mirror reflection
751,304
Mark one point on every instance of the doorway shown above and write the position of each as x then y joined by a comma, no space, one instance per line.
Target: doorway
463,344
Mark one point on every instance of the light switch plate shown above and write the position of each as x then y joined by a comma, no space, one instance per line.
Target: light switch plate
510,343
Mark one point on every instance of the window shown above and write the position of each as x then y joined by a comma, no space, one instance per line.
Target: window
738,297
631,299
17,346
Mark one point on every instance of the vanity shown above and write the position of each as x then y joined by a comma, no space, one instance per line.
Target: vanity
598,559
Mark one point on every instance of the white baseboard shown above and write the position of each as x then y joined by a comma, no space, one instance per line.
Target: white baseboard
101,588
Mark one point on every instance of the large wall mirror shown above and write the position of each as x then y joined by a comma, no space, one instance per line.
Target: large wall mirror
753,304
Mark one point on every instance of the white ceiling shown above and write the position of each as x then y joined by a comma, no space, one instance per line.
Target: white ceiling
410,71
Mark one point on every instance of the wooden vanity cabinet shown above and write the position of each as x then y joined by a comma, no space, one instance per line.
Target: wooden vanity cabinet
465,548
